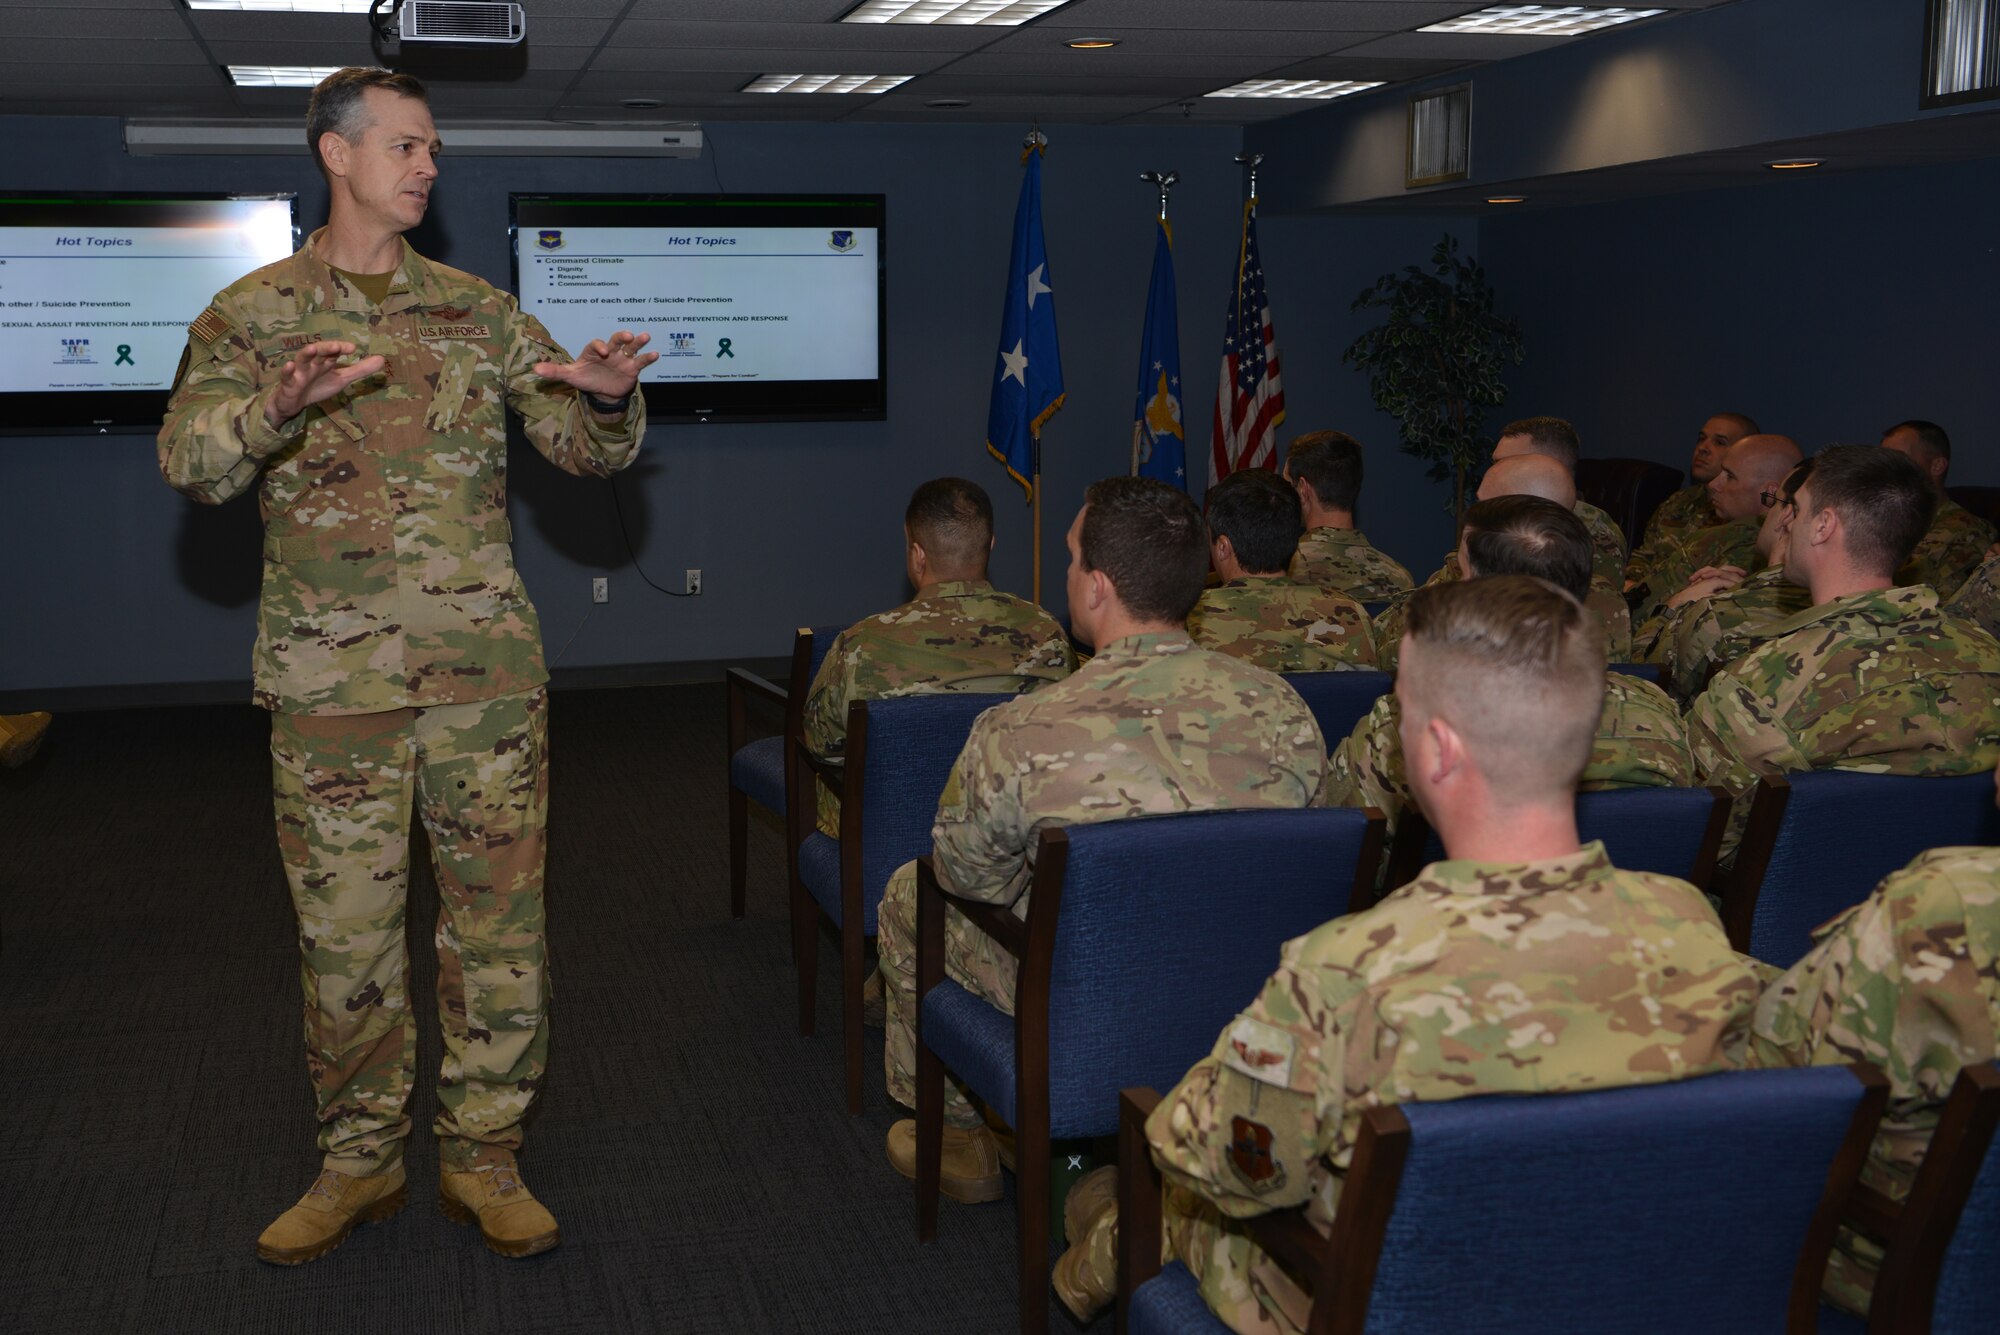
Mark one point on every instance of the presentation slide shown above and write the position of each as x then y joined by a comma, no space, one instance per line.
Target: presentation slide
752,303
97,295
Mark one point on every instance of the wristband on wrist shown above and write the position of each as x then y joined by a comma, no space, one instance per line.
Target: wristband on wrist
608,407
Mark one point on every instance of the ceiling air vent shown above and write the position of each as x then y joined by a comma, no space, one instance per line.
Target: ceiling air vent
1440,136
461,21
1961,52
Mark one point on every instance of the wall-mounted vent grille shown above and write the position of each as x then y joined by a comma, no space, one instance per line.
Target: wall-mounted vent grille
461,21
1440,136
1961,52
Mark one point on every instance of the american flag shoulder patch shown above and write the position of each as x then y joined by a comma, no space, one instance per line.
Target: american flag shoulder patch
208,327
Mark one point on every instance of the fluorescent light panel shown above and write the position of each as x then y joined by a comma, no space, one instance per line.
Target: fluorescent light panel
825,83
285,6
279,76
1541,20
984,13
1318,89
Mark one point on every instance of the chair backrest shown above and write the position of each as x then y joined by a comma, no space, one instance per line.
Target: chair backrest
1964,1302
1683,1206
1167,927
1339,700
822,640
1643,671
1835,835
1628,490
1982,501
901,753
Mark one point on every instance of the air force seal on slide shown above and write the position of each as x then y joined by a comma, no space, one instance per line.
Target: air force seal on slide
841,240
549,238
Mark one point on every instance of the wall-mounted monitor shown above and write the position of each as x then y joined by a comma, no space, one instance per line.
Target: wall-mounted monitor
97,292
762,307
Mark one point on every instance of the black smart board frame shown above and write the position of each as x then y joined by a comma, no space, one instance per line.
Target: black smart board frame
749,401
102,412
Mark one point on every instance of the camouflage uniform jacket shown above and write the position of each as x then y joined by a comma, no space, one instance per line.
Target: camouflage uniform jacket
1151,726
388,579
1690,507
1475,978
1950,550
1282,626
1641,743
1978,599
1881,682
1342,559
1693,641
1665,568
1909,979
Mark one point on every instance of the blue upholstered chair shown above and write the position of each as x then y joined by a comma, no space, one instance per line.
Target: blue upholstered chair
1697,1205
1672,831
760,770
1942,1242
1818,841
1143,939
1339,700
1643,671
899,753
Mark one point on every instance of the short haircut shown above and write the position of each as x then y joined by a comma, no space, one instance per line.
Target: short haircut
951,519
1526,535
1885,502
1549,435
1744,421
1516,666
1331,462
1149,540
1930,433
1259,514
337,106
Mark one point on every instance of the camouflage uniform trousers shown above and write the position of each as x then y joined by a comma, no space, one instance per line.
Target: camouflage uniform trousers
972,959
344,785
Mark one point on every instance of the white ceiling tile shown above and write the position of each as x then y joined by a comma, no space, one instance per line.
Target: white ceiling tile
1246,15
813,36
1274,43
1454,46
65,21
771,61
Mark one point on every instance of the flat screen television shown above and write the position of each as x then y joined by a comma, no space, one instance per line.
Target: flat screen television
762,307
97,292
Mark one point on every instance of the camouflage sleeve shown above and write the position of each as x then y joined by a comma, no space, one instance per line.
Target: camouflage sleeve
1366,769
1794,1015
215,438
1243,1127
558,424
1978,599
981,836
1733,737
1960,558
827,701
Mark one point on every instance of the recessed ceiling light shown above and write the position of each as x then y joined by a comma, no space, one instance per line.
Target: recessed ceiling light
286,6
947,104
641,104
825,83
1308,88
1089,43
985,13
279,76
1506,199
1792,164
1541,20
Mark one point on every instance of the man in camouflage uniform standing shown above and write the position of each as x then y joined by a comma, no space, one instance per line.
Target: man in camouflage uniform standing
1257,613
1723,612
1238,738
1956,541
1525,963
361,389
1906,980
1744,487
958,634
1325,467
1690,507
1871,677
1640,741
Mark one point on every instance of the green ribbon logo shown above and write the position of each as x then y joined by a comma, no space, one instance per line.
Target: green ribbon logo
722,348
124,355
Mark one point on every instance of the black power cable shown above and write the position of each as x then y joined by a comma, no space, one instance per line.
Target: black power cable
631,553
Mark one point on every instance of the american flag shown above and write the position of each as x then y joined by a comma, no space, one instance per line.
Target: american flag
1249,402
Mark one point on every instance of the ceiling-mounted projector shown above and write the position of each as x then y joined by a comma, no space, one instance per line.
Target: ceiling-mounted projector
486,22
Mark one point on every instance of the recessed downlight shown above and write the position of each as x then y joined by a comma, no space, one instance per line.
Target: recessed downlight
947,104
1792,164
1506,199
641,103
1090,43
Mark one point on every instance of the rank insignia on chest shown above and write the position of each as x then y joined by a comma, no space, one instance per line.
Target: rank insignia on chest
453,331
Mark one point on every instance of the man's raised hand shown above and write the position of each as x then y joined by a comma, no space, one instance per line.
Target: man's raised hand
608,370
313,375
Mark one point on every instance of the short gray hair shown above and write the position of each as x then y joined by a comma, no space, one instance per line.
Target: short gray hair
336,106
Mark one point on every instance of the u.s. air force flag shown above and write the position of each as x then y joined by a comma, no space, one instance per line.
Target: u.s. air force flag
1028,384
1159,442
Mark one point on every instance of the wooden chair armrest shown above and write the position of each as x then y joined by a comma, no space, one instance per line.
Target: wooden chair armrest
738,686
744,680
996,920
1138,1199
1288,1236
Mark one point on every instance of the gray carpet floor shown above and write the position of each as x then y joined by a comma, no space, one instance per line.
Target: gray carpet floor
693,1146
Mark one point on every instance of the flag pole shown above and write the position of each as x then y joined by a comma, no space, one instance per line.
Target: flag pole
1165,181
1036,493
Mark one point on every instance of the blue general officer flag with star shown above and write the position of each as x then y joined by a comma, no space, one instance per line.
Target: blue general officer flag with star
1028,388
1159,441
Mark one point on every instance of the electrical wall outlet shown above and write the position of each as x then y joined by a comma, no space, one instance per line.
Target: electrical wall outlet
694,579
600,590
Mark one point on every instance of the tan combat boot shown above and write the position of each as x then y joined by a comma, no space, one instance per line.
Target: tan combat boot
328,1212
971,1168
510,1219
21,736
1086,1276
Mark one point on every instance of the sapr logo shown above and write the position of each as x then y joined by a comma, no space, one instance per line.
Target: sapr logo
549,238
682,345
76,352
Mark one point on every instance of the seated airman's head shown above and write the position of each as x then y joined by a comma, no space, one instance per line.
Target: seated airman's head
1526,535
1138,556
1254,524
1863,509
947,532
